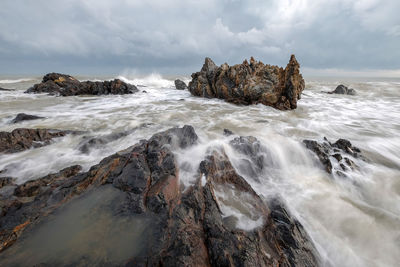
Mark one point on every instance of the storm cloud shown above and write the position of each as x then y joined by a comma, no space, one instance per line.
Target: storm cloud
171,36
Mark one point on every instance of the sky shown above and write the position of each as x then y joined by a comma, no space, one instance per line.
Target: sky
174,37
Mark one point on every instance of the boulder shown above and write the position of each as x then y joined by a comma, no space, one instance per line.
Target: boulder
343,90
25,117
339,153
250,83
180,85
65,85
22,139
188,227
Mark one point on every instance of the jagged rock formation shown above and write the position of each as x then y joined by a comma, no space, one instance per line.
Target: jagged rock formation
180,85
250,83
22,139
65,85
188,228
343,90
25,117
337,152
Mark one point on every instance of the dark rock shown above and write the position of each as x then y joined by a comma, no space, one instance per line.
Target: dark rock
228,132
180,85
65,85
25,117
343,90
325,150
87,144
189,228
3,89
250,83
337,156
322,151
22,139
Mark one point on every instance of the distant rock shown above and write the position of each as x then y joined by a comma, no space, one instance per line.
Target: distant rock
228,132
250,83
65,85
3,89
343,90
25,117
180,85
22,139
338,151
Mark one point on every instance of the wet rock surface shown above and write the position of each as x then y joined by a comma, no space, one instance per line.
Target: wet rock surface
180,85
65,85
343,90
339,153
22,139
25,117
190,227
250,83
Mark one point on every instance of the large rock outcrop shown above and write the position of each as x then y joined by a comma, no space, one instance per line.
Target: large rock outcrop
22,139
65,85
186,228
250,83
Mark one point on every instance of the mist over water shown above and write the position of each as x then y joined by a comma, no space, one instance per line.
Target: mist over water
354,221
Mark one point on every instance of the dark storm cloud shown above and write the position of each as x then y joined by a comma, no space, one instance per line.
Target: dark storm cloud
175,36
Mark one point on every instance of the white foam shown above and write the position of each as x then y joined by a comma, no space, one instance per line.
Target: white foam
153,80
7,81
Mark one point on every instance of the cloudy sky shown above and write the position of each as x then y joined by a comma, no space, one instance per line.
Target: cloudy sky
174,36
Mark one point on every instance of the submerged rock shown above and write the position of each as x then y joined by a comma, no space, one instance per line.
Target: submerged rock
250,83
4,89
22,139
343,90
65,85
338,151
189,227
180,85
25,117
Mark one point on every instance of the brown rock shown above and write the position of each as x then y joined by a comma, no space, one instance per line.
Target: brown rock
188,227
22,139
65,85
250,83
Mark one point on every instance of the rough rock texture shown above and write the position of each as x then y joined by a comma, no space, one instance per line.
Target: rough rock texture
180,85
343,90
337,152
250,83
189,227
25,117
22,139
65,85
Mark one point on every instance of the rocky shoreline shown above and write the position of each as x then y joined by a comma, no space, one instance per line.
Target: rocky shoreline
191,228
